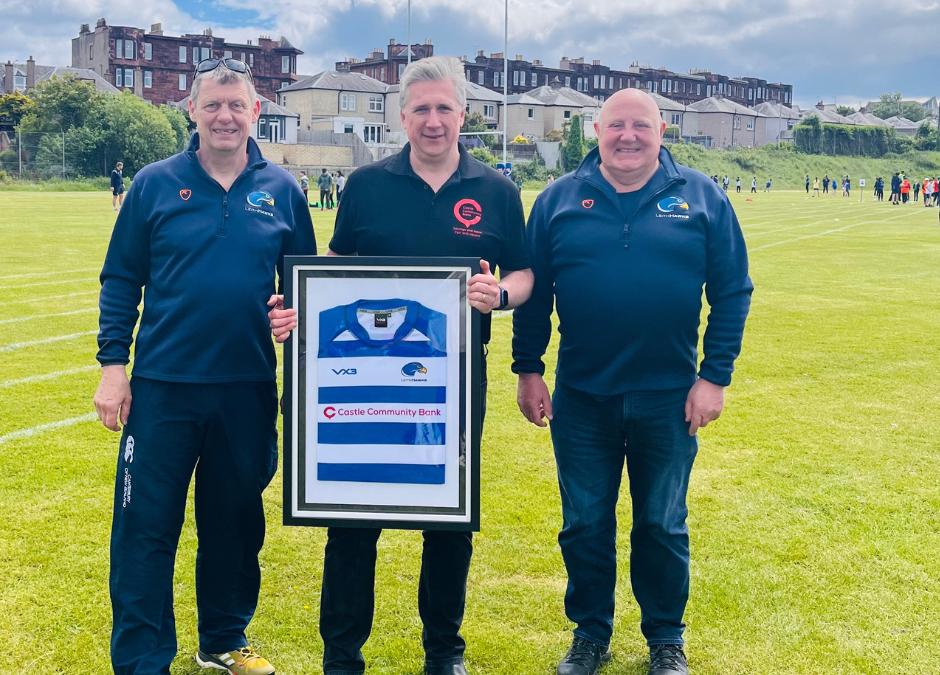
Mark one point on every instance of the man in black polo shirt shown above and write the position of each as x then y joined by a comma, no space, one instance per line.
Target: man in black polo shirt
431,199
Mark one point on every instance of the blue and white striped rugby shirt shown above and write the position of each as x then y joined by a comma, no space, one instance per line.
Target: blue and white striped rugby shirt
382,394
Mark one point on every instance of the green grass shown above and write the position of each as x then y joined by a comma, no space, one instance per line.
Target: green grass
815,500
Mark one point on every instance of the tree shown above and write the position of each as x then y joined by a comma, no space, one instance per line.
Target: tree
574,144
474,122
13,107
65,103
482,155
136,132
890,105
555,135
845,110
180,124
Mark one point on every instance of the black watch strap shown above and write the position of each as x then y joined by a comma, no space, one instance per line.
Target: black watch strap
503,298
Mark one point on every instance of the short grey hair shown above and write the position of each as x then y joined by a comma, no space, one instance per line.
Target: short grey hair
435,69
223,75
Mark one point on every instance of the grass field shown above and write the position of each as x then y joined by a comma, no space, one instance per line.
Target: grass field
815,500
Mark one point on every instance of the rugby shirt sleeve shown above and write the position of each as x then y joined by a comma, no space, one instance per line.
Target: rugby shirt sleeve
532,321
125,272
513,255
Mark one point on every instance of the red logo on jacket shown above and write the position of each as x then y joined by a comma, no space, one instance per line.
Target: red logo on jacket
185,194
468,213
587,203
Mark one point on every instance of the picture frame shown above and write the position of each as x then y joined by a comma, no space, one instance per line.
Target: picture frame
382,393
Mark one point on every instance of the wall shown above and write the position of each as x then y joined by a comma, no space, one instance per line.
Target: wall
330,157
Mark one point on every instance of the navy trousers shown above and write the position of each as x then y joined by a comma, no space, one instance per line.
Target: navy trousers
227,435
593,437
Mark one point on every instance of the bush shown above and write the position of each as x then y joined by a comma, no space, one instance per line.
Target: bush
530,171
8,159
484,156
521,140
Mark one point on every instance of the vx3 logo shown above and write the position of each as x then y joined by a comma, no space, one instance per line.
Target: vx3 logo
344,371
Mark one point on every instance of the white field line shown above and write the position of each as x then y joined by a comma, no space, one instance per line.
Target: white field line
20,345
786,217
43,428
46,376
46,297
821,234
46,316
45,274
787,229
49,283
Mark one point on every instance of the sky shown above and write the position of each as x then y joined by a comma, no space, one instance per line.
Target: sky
846,52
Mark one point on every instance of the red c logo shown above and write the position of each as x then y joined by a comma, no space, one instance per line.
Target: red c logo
587,203
468,212
329,412
185,194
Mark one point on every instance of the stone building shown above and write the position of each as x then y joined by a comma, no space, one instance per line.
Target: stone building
159,68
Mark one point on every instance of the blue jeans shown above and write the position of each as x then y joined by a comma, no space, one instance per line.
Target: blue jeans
593,435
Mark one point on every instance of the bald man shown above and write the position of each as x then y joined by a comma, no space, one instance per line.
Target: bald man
623,247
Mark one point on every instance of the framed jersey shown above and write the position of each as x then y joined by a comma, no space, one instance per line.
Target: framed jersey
382,404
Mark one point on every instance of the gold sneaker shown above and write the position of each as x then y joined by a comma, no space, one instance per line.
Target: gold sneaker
244,661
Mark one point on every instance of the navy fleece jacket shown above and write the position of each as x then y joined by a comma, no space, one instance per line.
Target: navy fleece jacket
207,260
628,286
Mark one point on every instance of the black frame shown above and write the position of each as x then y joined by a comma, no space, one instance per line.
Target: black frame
471,403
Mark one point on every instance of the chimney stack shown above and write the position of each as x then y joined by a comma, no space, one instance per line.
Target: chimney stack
156,29
101,23
30,74
8,78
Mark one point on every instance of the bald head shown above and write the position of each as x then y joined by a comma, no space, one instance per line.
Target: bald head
629,135
635,101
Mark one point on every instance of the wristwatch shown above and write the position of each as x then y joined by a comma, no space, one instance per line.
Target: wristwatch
503,298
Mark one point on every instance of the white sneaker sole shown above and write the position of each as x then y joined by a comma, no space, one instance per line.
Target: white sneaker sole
210,664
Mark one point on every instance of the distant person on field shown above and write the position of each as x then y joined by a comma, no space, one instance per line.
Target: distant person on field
905,191
725,182
340,184
203,240
737,184
767,186
117,186
754,185
916,188
928,192
807,183
896,189
846,187
936,192
324,182
629,391
551,179
880,189
816,186
304,183
825,184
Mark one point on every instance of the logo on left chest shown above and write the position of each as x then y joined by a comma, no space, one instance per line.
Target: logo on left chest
468,213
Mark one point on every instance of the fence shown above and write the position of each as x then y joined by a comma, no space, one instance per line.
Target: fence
45,155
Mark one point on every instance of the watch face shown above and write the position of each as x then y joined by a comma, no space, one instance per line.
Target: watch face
503,297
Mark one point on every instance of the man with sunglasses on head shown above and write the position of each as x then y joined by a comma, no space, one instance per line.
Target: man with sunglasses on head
204,232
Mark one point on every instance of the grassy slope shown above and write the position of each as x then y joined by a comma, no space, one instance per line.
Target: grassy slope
814,500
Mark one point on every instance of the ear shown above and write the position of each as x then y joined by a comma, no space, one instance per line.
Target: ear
662,128
256,110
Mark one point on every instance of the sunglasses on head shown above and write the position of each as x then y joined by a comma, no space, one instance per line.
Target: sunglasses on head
208,65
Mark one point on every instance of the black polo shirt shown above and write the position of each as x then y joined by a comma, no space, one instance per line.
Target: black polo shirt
388,210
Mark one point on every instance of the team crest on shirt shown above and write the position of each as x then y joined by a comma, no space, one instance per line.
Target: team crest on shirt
412,369
259,202
468,213
672,207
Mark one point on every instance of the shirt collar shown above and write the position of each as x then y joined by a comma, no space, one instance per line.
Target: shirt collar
467,168
255,159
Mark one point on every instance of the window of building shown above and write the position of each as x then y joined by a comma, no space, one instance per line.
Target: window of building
597,81
285,64
674,119
698,90
489,111
243,57
91,52
19,82
480,77
118,49
182,83
567,114
148,51
372,133
128,77
382,75
226,54
620,83
568,81
708,90
750,125
495,79
285,83
347,129
531,114
588,117
130,49
262,128
347,101
535,80
515,77
760,92
376,104
195,55
737,122
119,77
182,56
603,82
206,53
546,79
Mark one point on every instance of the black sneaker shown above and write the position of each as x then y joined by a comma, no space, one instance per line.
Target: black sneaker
668,660
584,658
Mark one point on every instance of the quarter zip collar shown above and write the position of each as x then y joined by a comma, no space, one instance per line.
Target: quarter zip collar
589,171
255,159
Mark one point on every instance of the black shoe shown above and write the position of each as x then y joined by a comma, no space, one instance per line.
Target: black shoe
584,658
451,669
668,660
